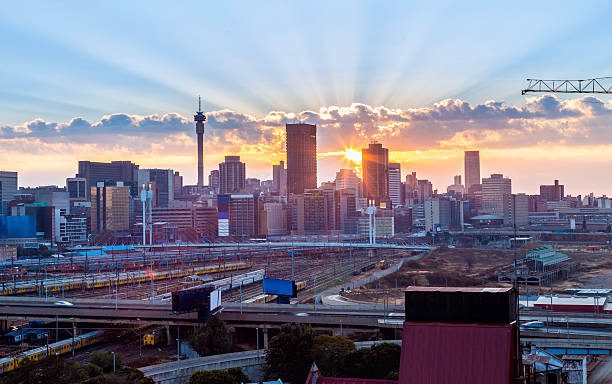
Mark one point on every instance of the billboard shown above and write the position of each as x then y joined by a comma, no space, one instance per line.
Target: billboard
215,301
17,227
191,299
280,287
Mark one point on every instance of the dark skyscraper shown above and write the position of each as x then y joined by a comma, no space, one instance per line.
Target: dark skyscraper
199,118
375,165
472,169
301,157
232,174
124,171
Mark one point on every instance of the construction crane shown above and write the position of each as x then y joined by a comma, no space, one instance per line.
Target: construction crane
596,85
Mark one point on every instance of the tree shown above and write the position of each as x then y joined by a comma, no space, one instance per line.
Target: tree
377,362
289,354
330,352
104,360
230,376
212,339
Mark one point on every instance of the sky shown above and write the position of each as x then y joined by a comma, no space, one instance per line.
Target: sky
428,79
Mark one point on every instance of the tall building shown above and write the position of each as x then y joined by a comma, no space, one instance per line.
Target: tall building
553,192
375,165
115,171
443,213
199,118
110,208
346,210
279,178
424,190
472,169
493,190
347,179
456,188
516,210
273,218
177,184
329,192
411,195
301,157
232,175
395,183
163,185
77,188
8,188
213,180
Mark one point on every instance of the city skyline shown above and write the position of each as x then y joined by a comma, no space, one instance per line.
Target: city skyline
366,71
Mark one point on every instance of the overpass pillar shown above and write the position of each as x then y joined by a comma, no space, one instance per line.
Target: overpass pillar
168,338
3,325
265,338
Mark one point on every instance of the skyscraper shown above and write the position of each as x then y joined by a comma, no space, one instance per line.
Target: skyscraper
110,208
493,190
123,171
8,187
279,178
472,169
232,175
347,179
213,180
553,192
301,157
199,118
395,183
163,181
375,165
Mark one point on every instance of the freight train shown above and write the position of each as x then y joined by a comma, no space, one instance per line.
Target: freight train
102,280
8,364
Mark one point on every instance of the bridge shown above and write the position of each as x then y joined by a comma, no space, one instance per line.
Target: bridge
289,244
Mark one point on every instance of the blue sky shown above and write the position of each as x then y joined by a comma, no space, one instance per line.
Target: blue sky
67,58
62,60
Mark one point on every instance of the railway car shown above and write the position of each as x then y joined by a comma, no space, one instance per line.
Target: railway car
150,339
300,285
10,363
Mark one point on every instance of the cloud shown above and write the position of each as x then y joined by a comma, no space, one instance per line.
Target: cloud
450,123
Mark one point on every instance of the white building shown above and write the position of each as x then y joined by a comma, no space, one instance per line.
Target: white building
493,190
395,183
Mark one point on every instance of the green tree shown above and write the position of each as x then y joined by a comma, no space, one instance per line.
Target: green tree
230,376
289,354
104,360
330,352
212,339
377,362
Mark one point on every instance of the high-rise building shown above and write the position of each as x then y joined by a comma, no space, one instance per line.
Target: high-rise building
77,188
472,169
279,178
163,185
110,207
346,210
213,180
301,157
115,171
516,210
8,188
553,192
273,218
456,188
199,118
424,190
329,191
177,184
493,190
347,179
411,194
443,213
232,175
375,165
395,183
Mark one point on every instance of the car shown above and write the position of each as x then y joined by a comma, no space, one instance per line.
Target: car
302,314
63,303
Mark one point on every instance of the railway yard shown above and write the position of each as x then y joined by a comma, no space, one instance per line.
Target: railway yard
154,275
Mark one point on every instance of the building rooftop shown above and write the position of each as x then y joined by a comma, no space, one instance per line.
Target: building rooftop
564,300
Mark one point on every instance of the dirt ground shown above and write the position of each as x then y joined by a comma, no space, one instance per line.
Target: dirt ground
477,267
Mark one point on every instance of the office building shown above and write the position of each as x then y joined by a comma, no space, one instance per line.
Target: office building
273,219
162,182
77,188
385,226
213,180
110,207
395,183
375,166
457,188
516,210
411,195
443,214
348,179
232,175
301,157
329,192
553,192
424,190
8,188
177,184
115,171
493,190
346,212
73,230
471,169
279,179
402,219
237,215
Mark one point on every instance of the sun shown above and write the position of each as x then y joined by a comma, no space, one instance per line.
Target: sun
352,155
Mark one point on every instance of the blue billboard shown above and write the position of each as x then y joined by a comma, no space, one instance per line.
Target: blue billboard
280,287
17,227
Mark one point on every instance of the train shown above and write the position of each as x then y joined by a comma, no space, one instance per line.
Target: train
102,280
11,363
